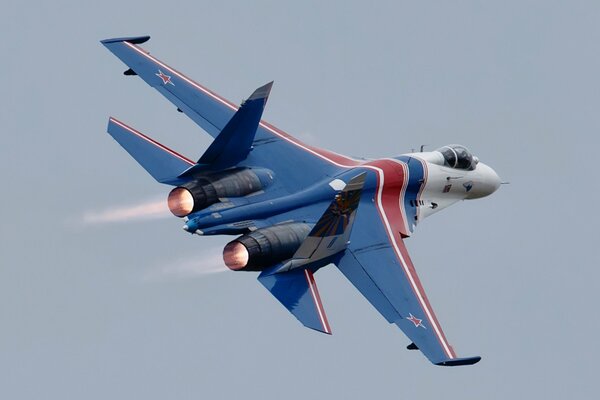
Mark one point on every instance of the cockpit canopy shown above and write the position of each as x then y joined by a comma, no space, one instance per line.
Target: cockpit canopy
459,157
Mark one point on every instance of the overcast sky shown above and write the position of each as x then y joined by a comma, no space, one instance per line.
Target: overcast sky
92,308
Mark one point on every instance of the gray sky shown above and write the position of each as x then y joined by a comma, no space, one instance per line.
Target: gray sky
133,310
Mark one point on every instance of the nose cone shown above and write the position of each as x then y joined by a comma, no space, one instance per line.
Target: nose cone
487,182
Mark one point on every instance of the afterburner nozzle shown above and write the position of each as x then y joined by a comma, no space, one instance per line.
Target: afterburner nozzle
180,202
235,255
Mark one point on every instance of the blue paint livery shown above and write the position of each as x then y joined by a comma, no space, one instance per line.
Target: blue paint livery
416,176
296,167
232,145
361,228
297,292
162,163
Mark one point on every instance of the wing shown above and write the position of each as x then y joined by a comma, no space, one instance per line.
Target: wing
378,265
298,164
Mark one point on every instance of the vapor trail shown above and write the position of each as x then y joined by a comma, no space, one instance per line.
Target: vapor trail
193,266
208,262
151,209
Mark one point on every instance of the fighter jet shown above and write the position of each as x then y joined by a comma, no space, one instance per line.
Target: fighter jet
296,208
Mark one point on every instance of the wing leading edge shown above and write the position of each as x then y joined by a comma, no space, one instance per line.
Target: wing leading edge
378,265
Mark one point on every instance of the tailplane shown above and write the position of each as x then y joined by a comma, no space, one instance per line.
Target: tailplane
164,164
298,292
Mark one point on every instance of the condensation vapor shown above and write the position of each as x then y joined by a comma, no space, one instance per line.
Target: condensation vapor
209,262
205,262
151,209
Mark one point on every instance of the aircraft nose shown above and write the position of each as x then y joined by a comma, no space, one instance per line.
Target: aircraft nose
488,182
493,180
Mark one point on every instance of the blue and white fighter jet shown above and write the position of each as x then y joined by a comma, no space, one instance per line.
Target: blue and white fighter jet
296,208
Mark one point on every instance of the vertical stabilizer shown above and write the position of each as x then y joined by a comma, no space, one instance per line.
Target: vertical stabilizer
234,142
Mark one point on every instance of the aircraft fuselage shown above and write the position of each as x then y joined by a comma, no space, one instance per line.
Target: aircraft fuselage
421,182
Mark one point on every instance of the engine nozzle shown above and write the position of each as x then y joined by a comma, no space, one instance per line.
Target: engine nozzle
265,247
236,256
209,188
180,201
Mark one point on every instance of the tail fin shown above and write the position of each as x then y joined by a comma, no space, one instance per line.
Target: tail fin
234,142
164,164
331,233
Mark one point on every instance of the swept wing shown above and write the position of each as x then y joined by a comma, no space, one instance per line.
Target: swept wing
378,265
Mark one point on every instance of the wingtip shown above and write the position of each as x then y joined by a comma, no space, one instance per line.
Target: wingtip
130,39
459,361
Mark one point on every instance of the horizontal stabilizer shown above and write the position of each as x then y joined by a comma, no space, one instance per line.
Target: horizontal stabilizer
234,142
164,164
297,291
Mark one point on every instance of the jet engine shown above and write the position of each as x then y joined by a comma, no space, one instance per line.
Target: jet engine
265,247
206,190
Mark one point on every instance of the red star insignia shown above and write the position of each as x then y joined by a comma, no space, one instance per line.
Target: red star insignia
165,78
416,321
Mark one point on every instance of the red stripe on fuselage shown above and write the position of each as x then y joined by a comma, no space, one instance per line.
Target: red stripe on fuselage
392,192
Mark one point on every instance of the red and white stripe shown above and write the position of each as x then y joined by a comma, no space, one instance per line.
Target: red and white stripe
425,177
389,210
317,299
151,141
405,179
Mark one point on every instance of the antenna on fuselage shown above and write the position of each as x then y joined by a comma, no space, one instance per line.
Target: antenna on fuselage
422,147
